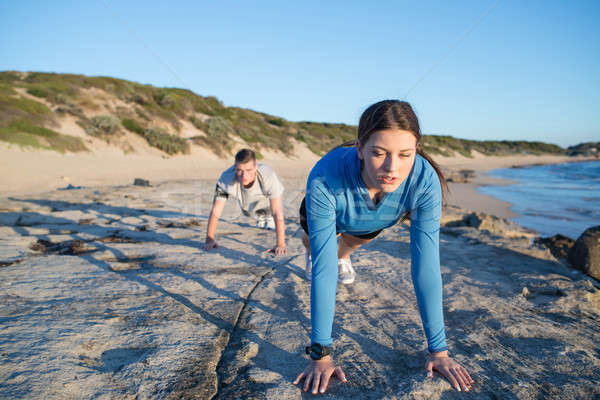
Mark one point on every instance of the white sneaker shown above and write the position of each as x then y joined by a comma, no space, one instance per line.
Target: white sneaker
308,268
270,223
346,273
261,221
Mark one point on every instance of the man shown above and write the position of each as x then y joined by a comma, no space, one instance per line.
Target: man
258,192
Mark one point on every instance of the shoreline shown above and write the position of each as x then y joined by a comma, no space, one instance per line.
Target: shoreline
36,172
468,196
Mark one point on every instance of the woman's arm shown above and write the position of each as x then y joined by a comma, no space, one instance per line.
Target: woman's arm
427,281
320,213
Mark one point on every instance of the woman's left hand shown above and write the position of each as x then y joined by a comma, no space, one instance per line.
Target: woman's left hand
450,369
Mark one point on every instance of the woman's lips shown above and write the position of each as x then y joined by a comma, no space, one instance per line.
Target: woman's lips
388,180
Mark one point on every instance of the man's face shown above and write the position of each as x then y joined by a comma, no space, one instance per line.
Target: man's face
246,173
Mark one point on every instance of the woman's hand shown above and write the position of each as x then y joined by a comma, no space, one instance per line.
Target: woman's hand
318,372
454,372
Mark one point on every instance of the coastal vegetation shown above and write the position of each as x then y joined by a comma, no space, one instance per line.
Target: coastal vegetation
585,149
108,108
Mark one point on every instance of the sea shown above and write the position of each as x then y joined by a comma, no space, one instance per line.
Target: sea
551,199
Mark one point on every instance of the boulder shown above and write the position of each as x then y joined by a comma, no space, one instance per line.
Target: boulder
462,176
141,182
585,253
481,221
559,245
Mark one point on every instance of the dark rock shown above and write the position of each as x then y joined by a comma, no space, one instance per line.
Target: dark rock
585,254
462,176
68,247
482,221
70,187
559,245
141,182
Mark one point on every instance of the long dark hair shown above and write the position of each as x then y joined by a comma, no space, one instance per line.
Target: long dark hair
395,114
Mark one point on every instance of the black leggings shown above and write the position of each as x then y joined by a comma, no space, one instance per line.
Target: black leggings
304,224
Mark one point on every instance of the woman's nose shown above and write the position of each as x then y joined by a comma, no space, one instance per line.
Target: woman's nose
390,163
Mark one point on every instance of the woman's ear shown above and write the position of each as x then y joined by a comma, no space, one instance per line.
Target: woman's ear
359,150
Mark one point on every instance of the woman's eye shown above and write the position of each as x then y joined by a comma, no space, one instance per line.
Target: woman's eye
378,154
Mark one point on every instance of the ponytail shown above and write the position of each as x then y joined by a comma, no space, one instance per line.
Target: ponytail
438,171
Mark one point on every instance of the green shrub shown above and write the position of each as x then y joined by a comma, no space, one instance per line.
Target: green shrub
132,126
322,137
25,133
141,114
23,139
100,125
16,108
9,77
275,121
220,146
170,144
218,127
6,90
27,105
106,124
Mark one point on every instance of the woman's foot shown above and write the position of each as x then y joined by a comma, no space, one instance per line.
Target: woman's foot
346,273
308,267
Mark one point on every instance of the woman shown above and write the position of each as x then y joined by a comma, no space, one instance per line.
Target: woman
354,193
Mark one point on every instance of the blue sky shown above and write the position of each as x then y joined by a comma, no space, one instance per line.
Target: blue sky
515,70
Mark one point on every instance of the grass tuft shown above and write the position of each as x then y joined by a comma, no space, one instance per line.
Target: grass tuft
25,134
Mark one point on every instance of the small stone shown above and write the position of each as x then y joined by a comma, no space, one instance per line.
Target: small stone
141,182
525,292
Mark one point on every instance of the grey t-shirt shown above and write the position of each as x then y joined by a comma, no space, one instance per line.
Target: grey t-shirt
255,198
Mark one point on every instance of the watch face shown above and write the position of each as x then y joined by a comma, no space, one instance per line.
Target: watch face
316,351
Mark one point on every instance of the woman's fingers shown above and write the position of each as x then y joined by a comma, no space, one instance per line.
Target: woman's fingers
340,374
462,384
316,381
299,377
307,382
324,383
466,373
429,369
466,379
450,376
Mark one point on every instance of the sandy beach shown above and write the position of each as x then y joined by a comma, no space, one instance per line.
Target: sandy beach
106,292
29,172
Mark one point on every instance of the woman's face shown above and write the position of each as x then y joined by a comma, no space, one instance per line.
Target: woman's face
388,158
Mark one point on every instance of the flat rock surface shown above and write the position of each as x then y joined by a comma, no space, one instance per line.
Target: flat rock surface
105,293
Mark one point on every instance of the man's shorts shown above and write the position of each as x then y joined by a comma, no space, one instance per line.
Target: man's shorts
304,224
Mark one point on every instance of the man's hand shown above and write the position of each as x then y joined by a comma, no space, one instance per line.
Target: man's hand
277,250
209,244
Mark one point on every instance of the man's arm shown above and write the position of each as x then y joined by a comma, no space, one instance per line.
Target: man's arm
277,211
213,220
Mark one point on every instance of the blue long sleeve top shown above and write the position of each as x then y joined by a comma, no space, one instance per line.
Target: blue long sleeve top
336,196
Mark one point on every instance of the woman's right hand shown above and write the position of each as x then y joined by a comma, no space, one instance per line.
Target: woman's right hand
318,373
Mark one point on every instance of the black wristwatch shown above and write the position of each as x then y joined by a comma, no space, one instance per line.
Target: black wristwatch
316,351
